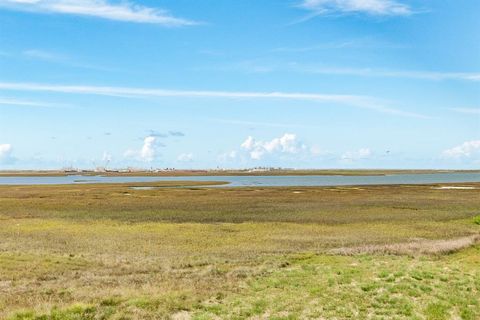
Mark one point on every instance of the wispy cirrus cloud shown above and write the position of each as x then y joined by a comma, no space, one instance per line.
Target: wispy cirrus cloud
58,58
370,72
110,10
366,42
44,55
364,102
259,66
25,103
466,110
370,7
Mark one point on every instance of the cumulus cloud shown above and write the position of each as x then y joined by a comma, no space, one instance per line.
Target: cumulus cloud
149,151
465,150
185,157
286,144
111,10
6,153
360,154
286,149
370,7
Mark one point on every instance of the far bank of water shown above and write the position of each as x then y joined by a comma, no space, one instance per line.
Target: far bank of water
252,181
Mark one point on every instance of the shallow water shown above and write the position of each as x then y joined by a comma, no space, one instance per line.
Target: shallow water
261,181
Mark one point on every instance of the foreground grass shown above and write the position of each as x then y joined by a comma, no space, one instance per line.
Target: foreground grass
110,252
311,286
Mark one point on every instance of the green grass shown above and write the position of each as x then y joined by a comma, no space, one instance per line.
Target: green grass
110,252
476,220
311,286
360,287
340,205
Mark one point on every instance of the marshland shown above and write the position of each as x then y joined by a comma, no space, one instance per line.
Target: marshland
107,251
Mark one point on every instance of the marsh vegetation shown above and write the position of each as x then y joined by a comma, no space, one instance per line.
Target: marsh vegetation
113,252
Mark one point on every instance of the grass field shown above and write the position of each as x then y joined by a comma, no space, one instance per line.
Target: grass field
111,252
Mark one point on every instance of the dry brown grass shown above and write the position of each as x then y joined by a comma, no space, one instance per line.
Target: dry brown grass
413,248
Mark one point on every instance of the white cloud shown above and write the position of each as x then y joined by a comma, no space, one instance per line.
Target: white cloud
58,58
149,151
25,103
363,102
111,10
185,157
365,42
43,55
360,154
6,153
286,144
145,92
287,147
371,7
465,150
409,74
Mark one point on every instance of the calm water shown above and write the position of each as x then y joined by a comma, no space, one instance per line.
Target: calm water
265,181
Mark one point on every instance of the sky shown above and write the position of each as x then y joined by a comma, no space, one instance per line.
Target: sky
239,84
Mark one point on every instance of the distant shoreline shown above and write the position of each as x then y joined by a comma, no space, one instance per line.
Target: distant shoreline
247,172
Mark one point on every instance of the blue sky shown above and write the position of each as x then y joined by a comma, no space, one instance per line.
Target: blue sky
234,84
